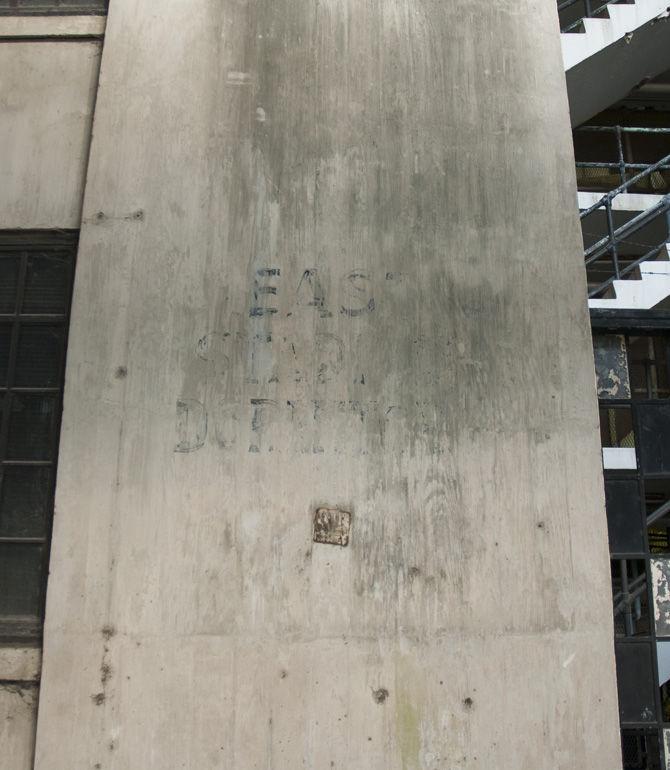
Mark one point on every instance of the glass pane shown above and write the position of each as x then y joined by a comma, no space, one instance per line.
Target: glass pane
624,516
630,598
649,367
5,339
661,370
47,284
657,494
640,750
616,427
20,579
654,437
24,501
31,427
635,681
39,357
9,277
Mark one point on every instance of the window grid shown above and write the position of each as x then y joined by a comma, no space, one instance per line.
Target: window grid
29,437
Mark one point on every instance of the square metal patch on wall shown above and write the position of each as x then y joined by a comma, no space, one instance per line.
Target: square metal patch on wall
332,526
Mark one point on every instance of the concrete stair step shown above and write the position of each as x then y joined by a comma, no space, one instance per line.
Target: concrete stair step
599,33
643,293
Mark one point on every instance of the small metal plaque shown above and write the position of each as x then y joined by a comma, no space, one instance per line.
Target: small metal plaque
332,526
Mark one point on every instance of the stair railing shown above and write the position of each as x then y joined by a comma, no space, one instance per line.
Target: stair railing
611,242
626,600
659,513
621,164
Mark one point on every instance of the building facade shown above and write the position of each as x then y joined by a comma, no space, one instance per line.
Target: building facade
299,450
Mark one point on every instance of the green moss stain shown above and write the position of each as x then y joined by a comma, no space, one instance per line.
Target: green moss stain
409,736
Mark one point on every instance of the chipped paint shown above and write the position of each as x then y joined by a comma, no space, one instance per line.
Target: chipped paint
660,579
332,526
611,362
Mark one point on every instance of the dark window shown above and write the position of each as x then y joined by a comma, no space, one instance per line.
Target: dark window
625,520
654,437
616,426
15,7
36,272
630,598
657,505
648,360
640,750
636,682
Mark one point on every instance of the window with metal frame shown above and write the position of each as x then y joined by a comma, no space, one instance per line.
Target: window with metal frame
36,273
632,375
640,750
42,7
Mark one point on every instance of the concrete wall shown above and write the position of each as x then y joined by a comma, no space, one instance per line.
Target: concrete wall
47,91
19,682
317,270
48,78
18,712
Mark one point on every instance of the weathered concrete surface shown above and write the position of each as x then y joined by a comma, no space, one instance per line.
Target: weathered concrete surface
18,707
390,178
19,678
47,93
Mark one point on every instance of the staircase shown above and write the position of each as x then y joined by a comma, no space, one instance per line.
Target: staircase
639,246
609,47
644,294
626,231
